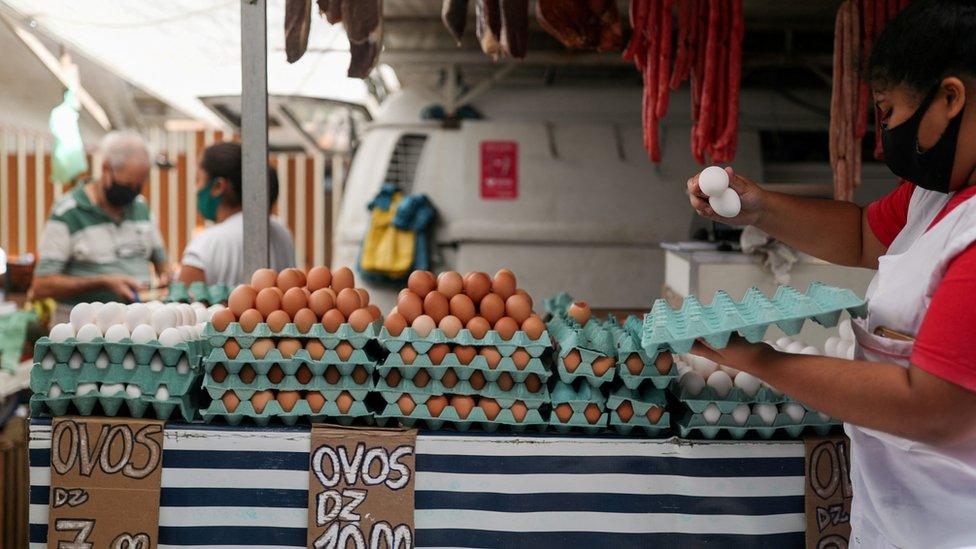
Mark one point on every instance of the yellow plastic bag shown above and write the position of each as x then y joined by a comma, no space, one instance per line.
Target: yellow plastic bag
387,250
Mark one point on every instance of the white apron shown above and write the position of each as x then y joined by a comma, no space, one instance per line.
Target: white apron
909,494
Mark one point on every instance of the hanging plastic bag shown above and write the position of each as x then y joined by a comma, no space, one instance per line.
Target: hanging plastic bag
68,159
388,252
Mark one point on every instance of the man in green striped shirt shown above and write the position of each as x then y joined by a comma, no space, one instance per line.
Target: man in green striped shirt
100,238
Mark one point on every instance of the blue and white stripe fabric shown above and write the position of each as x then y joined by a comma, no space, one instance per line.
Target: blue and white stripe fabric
233,487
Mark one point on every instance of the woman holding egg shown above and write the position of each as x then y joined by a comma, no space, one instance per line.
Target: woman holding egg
909,396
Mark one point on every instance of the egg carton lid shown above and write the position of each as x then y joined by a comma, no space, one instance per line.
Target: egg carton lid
735,398
478,363
577,398
422,344
146,379
689,423
329,339
640,400
449,416
650,373
569,335
358,391
142,352
578,422
273,411
84,405
490,390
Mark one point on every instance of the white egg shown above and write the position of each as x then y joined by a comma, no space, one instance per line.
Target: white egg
783,342
183,366
795,347
830,346
136,314
845,330
794,410
713,180
198,330
162,393
61,332
89,332
111,389
101,361
54,391
48,362
711,414
740,414
198,306
216,307
75,361
85,388
109,315
766,412
203,315
143,333
116,333
747,382
810,350
729,370
188,315
129,361
162,318
80,315
849,351
692,382
133,391
726,204
704,367
720,382
155,304
156,364
682,368
188,332
170,337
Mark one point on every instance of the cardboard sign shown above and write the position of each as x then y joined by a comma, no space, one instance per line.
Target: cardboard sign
499,170
828,492
360,488
105,478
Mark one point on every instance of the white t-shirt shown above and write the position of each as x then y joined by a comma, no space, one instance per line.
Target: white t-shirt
219,250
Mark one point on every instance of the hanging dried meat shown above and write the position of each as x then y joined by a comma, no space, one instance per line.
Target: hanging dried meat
331,10
454,15
363,20
488,26
363,57
582,24
298,20
515,28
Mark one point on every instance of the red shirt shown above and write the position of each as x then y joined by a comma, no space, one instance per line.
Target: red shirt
944,343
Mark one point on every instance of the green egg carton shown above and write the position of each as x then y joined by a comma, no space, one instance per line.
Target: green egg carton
628,343
558,303
232,382
505,399
641,401
449,417
578,423
535,347
690,424
346,333
42,405
464,371
698,403
197,291
788,309
145,378
290,365
358,412
577,398
585,368
142,352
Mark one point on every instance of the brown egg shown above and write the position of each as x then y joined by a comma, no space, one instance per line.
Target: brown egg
564,412
519,410
347,302
503,284
421,282
634,364
592,413
275,374
436,306
342,278
344,402
231,348
492,356
492,307
241,299
477,380
521,358
406,404
393,378
625,411
303,374
423,325
374,312
246,374
463,405
231,401
580,311
321,301
344,350
505,381
315,400
290,278
572,361
523,293
250,319
438,352
395,323
288,399
602,365
450,378
408,354
519,308
436,405
506,327
318,278
360,375
476,286
363,297
360,319
264,278
465,353
219,373
533,327
654,413
293,301
304,320
450,325
332,375
410,305
261,347
260,399
490,407
332,320
450,284
276,320
315,349
222,319
421,379
663,363
288,347
462,307
267,301
532,383
478,327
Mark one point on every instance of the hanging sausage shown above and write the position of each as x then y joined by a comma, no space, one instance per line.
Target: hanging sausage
515,28
454,15
581,24
298,20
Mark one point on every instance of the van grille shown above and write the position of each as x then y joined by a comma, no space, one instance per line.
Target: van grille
404,160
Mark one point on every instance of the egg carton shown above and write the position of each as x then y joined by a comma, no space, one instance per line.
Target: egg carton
578,398
449,418
357,413
628,343
641,402
148,380
504,398
185,405
197,291
292,364
232,382
677,330
578,423
464,371
142,352
345,333
558,303
585,368
691,424
535,347
735,397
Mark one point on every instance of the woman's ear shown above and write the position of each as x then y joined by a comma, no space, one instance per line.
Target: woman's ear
221,187
955,92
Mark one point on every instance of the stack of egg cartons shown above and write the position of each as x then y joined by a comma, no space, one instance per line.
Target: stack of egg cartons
198,292
464,351
637,400
142,355
293,346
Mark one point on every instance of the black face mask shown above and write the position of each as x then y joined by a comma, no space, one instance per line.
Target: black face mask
120,195
931,169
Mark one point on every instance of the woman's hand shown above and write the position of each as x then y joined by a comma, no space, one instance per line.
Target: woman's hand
750,194
738,354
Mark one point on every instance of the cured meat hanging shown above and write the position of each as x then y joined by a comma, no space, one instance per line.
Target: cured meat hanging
454,15
363,20
582,24
488,26
298,20
515,28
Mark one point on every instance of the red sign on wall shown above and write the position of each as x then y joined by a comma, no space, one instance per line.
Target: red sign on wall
499,170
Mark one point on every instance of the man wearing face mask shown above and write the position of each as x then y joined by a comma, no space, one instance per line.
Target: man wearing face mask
909,396
216,255
100,238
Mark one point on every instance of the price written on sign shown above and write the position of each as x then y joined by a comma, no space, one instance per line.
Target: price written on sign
828,492
105,482
361,486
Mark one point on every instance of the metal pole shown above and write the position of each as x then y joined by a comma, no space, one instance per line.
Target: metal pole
254,132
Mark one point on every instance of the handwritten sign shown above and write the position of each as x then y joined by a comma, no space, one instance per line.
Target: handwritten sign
499,170
105,479
828,492
361,488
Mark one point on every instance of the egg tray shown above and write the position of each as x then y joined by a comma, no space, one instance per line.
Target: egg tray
677,330
558,303
571,335
628,342
357,413
232,382
292,364
330,340
197,291
584,370
691,424
505,399
641,401
144,377
577,398
578,423
142,352
535,347
649,373
736,397
449,418
464,371
145,405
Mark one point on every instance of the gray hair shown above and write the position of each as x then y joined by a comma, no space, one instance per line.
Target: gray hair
117,147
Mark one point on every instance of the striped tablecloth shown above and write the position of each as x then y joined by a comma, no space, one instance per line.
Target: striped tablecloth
233,487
